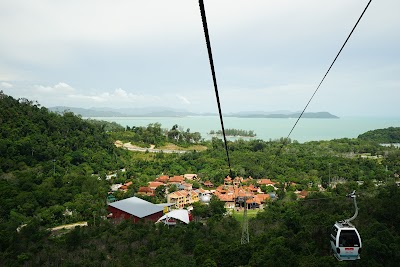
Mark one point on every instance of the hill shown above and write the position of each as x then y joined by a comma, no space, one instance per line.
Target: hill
169,112
32,135
125,112
53,172
384,136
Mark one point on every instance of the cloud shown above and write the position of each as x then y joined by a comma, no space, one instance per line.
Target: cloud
6,85
119,92
117,98
268,54
58,88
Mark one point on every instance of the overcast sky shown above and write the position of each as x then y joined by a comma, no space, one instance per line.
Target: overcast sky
269,54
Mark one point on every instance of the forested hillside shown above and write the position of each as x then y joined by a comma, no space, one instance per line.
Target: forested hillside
53,169
384,136
30,135
50,164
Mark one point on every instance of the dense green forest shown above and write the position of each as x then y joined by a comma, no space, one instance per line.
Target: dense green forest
384,136
53,168
154,134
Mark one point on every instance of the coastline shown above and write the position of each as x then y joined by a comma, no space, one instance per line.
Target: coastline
269,129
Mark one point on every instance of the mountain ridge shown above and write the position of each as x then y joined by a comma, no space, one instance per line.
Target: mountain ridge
171,112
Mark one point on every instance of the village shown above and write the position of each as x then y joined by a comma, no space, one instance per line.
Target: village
235,193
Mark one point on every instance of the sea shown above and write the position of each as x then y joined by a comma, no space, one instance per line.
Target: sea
267,128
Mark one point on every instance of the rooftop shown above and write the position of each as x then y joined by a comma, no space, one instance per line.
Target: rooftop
136,206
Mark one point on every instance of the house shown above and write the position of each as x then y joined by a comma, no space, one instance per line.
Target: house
265,182
193,197
228,180
183,197
221,190
229,200
185,186
178,198
301,194
208,184
154,185
247,180
125,186
163,179
237,181
177,179
135,209
115,187
145,190
253,203
201,192
253,189
190,176
262,198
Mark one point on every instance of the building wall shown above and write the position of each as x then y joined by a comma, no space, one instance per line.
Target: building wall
119,214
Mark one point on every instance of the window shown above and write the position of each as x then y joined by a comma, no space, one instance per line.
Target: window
349,238
334,234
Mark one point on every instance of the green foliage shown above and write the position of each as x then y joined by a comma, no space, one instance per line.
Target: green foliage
285,234
234,132
387,135
53,169
153,134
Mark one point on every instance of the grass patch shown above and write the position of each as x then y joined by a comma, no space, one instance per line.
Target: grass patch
171,146
238,215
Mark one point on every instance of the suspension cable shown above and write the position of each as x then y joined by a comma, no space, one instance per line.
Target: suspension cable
210,57
319,85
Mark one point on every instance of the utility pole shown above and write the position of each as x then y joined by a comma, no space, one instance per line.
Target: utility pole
245,224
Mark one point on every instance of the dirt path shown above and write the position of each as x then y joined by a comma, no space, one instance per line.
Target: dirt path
69,226
131,147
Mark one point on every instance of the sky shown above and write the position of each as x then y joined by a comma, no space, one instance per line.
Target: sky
269,55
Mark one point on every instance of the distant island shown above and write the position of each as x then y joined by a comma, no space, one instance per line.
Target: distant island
169,112
234,132
306,115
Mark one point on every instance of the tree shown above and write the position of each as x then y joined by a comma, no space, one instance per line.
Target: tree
217,207
172,188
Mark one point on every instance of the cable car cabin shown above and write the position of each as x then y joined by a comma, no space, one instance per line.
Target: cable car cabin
345,241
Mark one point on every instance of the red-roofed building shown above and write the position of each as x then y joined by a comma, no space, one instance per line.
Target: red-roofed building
252,188
125,186
228,180
177,179
237,181
265,182
247,179
302,193
228,199
154,185
163,179
262,198
220,190
145,190
208,184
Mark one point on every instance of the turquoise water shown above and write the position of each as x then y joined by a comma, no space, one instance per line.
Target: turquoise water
266,128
